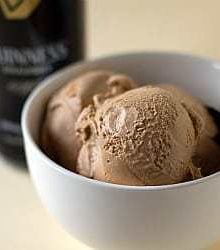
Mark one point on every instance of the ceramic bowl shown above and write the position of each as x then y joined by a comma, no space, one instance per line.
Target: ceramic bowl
108,216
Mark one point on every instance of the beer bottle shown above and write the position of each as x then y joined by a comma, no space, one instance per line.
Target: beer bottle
37,37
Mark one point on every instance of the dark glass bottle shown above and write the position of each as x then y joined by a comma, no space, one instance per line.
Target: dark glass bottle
37,37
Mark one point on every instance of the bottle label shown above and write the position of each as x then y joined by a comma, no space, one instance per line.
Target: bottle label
18,9
21,69
32,61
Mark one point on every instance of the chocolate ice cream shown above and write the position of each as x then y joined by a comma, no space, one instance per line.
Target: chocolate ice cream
207,154
58,138
142,137
193,104
99,126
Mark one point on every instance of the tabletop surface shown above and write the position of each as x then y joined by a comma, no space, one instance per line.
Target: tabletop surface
112,26
24,222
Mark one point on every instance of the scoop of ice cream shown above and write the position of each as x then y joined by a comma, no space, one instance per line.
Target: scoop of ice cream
194,104
142,137
207,155
58,138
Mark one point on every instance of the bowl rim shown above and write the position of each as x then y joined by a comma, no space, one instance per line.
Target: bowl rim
55,166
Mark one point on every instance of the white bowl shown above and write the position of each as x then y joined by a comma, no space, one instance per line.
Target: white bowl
107,216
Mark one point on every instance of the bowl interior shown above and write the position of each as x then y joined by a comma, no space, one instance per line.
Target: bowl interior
200,76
